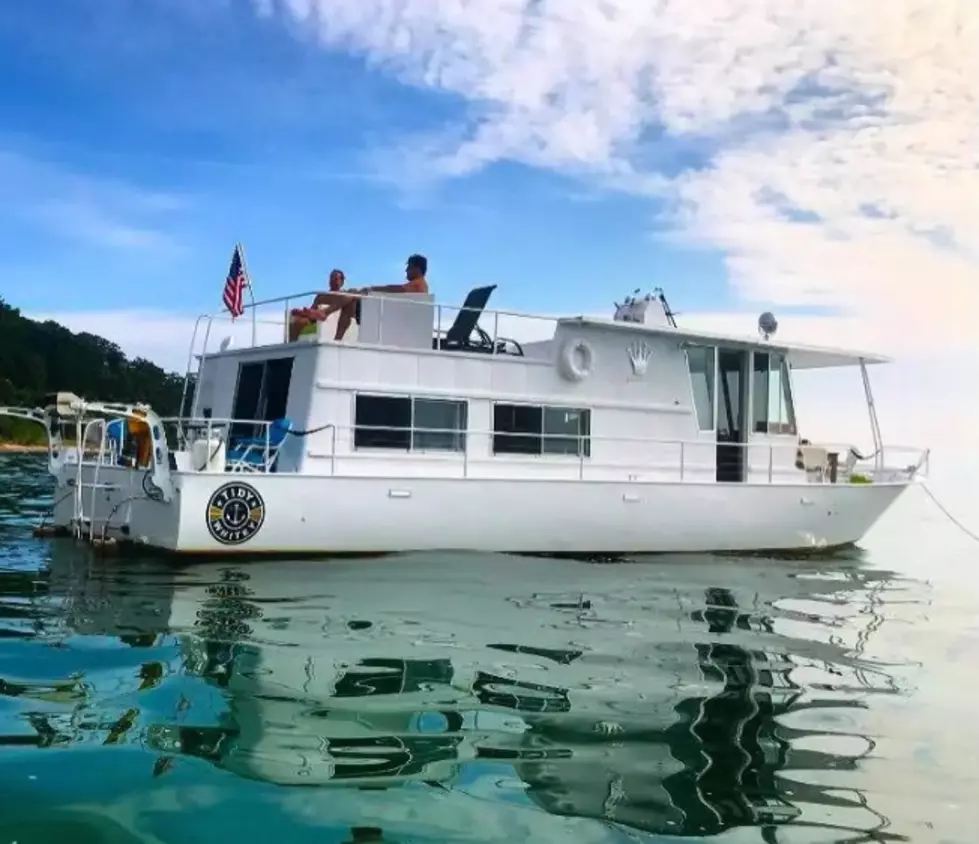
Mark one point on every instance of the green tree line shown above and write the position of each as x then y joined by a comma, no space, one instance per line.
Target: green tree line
37,358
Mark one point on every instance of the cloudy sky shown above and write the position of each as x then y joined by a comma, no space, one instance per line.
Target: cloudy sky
819,158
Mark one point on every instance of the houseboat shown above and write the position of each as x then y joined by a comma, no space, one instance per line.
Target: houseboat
430,430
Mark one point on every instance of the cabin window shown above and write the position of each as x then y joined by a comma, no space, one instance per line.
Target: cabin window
772,408
404,423
439,425
700,360
535,429
262,393
382,422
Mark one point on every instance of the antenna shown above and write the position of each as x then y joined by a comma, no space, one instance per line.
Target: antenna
670,313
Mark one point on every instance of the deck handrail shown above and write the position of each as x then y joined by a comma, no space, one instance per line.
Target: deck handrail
309,293
496,313
201,421
919,457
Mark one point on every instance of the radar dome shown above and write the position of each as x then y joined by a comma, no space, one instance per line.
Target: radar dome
767,325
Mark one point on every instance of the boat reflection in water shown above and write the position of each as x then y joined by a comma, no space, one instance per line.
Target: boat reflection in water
662,712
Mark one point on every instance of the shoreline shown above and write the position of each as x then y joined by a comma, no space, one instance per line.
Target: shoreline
20,448
17,448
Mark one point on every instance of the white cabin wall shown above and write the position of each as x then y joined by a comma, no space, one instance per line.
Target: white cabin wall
657,405
298,403
327,407
217,379
203,389
539,350
772,452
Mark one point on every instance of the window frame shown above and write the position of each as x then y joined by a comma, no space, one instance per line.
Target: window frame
460,434
581,452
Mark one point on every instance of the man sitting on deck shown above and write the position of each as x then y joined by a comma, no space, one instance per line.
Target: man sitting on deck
349,306
301,317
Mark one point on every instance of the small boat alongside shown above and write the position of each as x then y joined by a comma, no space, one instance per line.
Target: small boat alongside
612,435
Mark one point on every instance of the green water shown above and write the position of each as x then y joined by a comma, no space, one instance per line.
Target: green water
485,698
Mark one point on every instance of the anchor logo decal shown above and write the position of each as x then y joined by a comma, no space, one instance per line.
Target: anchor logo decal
235,513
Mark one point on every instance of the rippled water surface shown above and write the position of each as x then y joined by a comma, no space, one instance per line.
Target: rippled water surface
487,698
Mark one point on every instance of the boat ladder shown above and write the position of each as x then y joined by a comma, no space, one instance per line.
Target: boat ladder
87,492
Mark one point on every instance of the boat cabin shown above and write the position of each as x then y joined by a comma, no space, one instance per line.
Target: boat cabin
424,390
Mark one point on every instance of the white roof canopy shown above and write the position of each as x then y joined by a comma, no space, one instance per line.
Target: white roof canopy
799,356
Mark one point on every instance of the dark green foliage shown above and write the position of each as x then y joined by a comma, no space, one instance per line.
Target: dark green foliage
37,358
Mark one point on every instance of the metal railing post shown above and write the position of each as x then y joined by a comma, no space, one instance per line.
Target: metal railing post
268,444
874,424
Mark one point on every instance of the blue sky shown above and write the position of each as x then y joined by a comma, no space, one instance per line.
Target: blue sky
191,131
817,158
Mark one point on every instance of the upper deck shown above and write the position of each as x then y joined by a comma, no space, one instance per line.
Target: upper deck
421,324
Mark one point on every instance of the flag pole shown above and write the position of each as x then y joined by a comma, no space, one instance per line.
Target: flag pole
251,293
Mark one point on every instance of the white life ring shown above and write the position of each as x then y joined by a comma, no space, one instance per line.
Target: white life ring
577,360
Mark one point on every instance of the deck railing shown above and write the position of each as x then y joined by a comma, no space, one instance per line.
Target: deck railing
330,450
501,327
268,330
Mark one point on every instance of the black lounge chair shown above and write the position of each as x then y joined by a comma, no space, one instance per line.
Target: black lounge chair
459,337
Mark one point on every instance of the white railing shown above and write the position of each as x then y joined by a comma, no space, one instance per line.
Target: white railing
256,451
269,330
594,457
502,332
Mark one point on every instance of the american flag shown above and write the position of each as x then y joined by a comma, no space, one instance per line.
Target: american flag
234,287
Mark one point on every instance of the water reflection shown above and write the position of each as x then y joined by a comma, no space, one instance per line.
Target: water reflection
651,697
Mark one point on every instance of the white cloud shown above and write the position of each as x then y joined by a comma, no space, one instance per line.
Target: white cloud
101,212
845,168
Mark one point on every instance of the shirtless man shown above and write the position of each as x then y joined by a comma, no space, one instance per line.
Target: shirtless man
301,317
349,306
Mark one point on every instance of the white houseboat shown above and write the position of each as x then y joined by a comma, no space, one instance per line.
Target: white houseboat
608,436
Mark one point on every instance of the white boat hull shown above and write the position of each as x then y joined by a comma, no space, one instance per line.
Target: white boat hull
304,514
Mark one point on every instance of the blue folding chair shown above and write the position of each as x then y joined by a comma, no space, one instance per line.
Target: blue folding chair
259,454
115,435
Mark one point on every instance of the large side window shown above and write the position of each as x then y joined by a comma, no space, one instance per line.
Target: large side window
403,423
781,411
534,429
700,360
772,408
